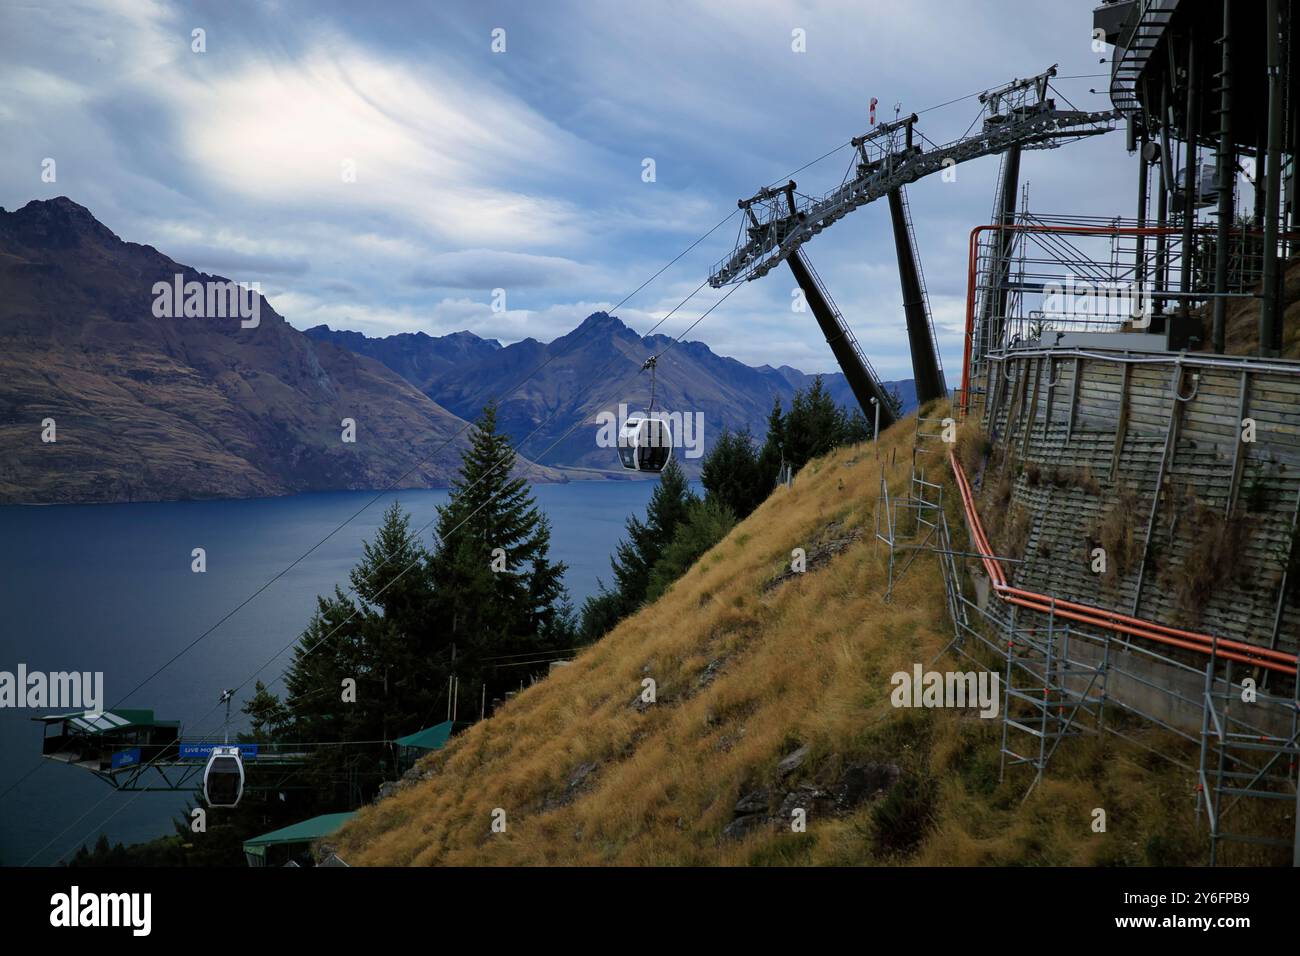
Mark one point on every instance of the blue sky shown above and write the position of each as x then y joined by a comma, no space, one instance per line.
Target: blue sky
522,170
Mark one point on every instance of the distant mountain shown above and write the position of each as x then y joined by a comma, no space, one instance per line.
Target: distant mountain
145,407
592,369
418,357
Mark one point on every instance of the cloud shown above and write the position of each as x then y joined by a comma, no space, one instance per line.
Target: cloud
345,129
491,269
227,261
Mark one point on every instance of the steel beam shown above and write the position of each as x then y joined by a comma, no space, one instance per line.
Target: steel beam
1226,174
864,384
1191,173
925,363
1269,324
994,307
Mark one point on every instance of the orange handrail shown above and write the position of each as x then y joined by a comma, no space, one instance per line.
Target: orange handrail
1207,644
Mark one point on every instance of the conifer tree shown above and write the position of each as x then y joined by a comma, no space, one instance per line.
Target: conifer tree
773,453
706,524
732,475
497,591
636,555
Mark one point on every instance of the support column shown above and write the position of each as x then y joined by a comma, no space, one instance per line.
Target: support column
1269,325
1261,147
995,300
925,363
865,387
1139,264
1191,175
1162,202
1225,173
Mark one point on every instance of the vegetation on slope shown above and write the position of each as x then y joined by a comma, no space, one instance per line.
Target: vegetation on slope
772,691
738,475
1241,319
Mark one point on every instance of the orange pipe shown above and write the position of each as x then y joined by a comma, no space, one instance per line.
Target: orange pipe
1115,616
1146,635
1205,639
1207,644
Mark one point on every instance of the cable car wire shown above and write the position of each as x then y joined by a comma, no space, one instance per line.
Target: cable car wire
392,485
424,460
484,504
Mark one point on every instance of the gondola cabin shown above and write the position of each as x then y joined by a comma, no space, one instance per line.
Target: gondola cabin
645,444
223,777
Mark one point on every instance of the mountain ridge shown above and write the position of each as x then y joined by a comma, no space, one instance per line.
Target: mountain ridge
690,378
101,399
145,406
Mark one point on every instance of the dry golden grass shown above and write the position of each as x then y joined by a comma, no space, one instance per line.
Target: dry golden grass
1216,545
807,662
1119,535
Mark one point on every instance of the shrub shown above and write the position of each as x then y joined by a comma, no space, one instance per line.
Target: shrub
1117,535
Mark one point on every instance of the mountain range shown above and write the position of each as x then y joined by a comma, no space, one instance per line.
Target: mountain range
594,369
105,397
145,408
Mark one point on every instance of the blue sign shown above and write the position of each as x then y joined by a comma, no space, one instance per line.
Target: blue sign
126,758
204,751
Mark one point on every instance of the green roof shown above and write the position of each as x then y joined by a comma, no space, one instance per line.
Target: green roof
304,832
430,738
108,720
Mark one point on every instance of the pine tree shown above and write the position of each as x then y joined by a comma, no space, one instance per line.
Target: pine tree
732,475
772,456
707,523
268,718
497,590
636,555
377,648
397,646
814,425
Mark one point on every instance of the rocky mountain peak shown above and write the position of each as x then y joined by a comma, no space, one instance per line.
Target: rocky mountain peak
57,223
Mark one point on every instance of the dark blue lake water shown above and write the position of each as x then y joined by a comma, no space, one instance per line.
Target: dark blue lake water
109,588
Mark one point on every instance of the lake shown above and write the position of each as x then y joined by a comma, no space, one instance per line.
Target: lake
109,588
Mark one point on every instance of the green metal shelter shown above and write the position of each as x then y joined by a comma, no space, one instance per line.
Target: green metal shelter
414,746
291,843
430,738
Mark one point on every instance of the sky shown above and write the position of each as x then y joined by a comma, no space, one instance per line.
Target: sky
381,167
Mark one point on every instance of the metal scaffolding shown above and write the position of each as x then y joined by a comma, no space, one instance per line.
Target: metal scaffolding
1063,680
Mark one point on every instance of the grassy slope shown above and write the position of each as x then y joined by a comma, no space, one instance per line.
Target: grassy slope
1241,320
806,662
